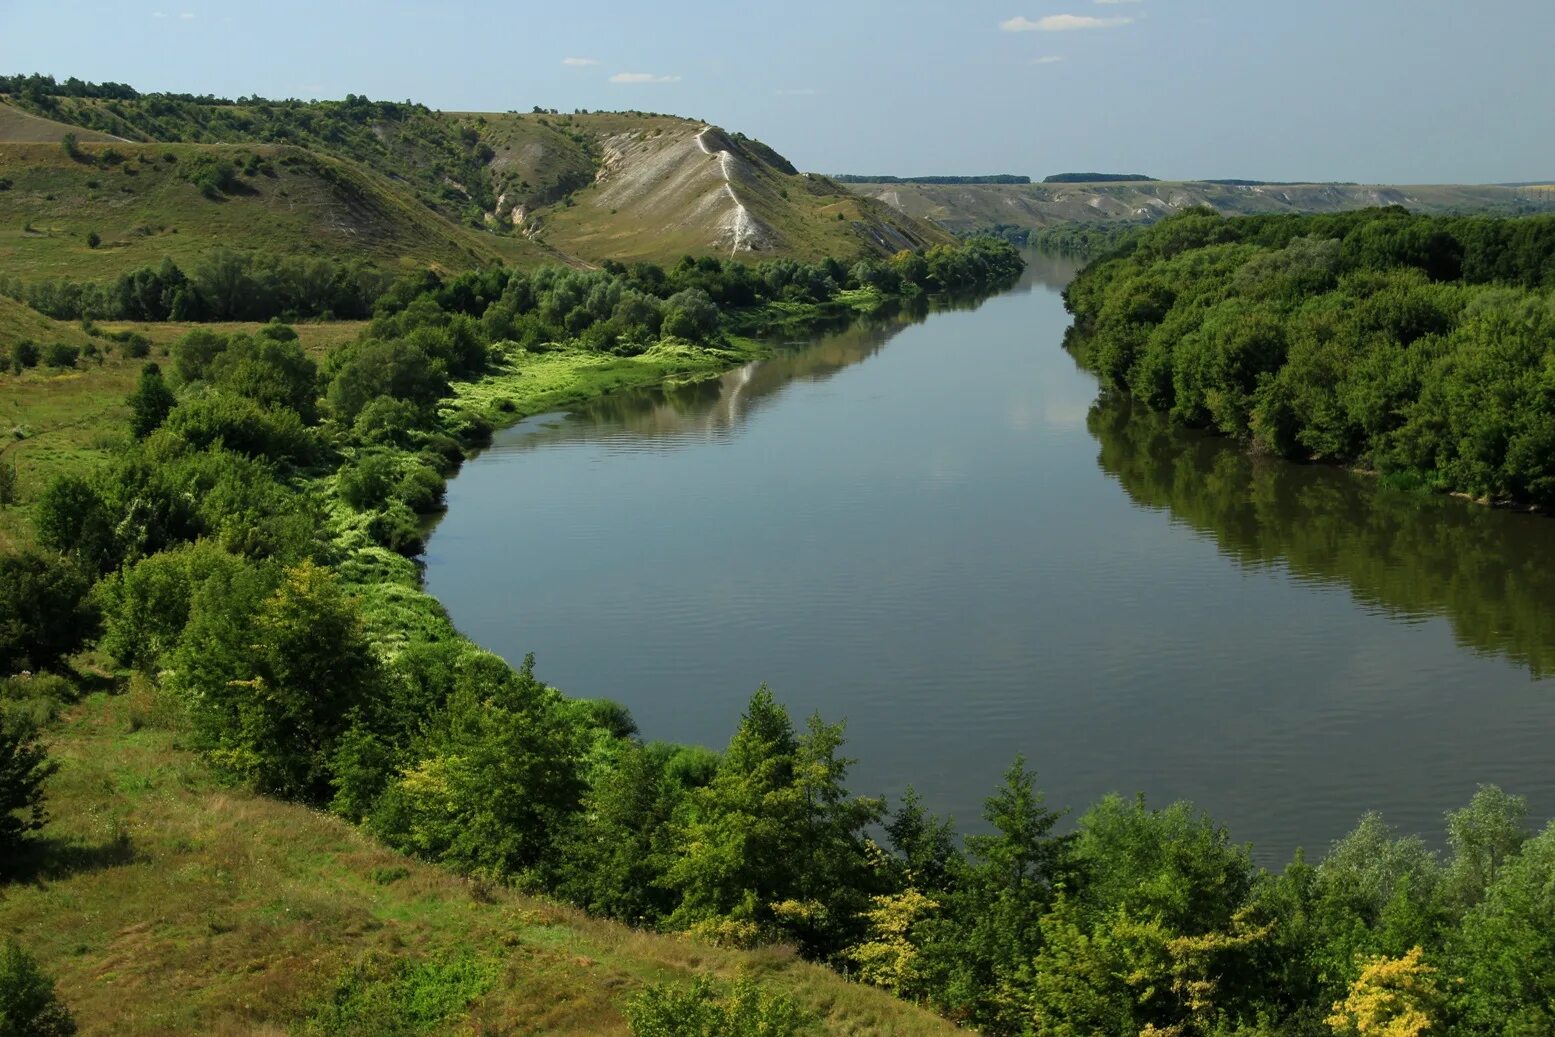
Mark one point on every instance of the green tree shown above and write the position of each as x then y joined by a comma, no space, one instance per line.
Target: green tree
24,767
1505,949
150,403
44,612
29,1006
495,781
1483,835
273,667
774,846
995,906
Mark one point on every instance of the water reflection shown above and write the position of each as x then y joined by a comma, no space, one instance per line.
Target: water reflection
1491,573
716,406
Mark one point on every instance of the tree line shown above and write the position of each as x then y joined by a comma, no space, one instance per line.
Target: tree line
1414,346
244,557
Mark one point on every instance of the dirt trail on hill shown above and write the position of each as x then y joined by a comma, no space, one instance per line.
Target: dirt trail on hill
743,231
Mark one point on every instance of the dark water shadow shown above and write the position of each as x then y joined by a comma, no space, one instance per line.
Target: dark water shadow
1490,573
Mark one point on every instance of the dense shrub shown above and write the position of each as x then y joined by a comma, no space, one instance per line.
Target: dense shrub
44,613
29,1007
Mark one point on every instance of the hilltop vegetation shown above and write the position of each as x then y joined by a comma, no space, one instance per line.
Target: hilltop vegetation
1096,178
1419,347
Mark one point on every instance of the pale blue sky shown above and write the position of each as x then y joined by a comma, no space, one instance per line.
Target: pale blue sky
1410,91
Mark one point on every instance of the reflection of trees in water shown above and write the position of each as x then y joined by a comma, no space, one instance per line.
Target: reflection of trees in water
719,405
1491,573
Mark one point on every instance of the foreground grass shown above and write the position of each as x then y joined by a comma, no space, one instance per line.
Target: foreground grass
166,903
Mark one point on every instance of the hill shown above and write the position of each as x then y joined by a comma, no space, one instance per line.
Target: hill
663,187
1037,206
164,902
180,200
591,186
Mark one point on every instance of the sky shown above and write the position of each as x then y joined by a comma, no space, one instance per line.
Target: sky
1375,91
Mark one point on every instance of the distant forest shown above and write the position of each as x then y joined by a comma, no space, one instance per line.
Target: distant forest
996,178
1094,178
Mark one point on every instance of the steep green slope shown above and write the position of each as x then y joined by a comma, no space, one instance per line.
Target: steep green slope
146,202
166,903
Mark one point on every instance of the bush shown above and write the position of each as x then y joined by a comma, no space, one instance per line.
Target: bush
666,1010
93,239
135,346
25,354
59,354
397,528
29,1007
241,425
366,485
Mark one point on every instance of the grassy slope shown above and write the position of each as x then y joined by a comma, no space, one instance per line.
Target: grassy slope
143,209
963,207
17,125
166,904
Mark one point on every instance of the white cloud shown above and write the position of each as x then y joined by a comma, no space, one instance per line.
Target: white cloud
579,62
159,14
1061,23
642,77
187,16
1048,59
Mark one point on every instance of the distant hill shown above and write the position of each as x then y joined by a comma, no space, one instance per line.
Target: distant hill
524,187
1039,206
995,178
1095,178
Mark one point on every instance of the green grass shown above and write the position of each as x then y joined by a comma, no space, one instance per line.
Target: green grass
165,903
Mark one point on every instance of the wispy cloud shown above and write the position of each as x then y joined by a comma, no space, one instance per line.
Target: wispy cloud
580,62
187,16
1048,59
642,77
1060,23
159,14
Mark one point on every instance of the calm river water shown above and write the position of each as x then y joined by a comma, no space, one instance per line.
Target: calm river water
926,529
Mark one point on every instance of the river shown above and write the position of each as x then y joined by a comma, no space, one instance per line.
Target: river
925,528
